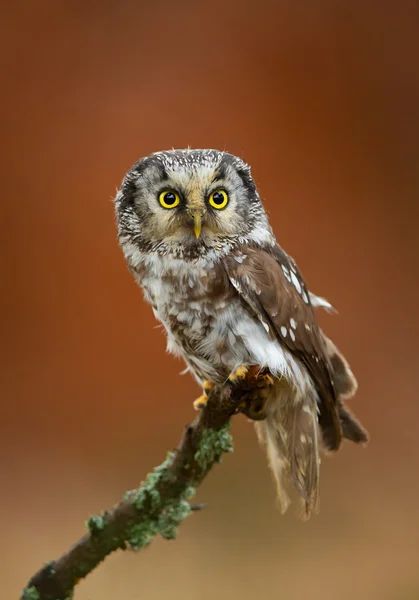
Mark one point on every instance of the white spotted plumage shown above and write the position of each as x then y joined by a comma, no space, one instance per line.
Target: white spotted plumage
250,345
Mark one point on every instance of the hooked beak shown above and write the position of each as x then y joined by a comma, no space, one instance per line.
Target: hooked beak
197,224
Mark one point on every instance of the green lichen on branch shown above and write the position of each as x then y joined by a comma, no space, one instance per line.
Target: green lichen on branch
164,523
95,523
212,446
49,567
148,492
166,514
30,593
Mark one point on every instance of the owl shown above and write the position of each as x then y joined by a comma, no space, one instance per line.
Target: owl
234,305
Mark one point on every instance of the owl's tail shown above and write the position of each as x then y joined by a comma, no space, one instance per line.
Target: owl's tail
345,387
289,434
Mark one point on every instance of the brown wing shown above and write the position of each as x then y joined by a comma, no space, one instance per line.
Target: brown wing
272,287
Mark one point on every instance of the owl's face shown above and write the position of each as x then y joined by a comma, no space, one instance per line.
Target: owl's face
187,201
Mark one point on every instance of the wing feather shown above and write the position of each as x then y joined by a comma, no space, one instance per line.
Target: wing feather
271,286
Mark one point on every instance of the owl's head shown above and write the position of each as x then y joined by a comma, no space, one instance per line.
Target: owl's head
185,202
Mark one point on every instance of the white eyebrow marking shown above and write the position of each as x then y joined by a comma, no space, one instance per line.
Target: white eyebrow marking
284,331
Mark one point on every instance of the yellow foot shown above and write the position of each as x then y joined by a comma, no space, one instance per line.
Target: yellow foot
239,373
207,385
202,400
254,376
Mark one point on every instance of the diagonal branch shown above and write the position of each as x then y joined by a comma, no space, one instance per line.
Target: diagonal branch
157,507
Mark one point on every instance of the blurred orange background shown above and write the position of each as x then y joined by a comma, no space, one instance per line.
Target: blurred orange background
322,99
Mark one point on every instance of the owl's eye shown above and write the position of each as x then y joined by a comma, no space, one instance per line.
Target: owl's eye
218,199
169,199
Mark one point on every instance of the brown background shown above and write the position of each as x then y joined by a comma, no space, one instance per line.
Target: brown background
322,99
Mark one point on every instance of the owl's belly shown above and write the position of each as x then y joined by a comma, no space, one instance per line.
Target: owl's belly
215,339
205,335
208,325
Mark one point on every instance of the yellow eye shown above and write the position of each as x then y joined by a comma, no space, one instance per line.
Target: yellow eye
169,199
218,199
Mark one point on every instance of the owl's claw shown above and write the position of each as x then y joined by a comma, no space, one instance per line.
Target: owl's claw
255,385
253,404
202,400
265,380
239,374
207,385
253,376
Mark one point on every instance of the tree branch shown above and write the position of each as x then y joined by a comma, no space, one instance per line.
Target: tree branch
158,506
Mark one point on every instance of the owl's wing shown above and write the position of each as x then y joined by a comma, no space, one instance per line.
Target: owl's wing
272,287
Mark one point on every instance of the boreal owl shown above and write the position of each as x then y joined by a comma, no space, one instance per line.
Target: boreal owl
197,239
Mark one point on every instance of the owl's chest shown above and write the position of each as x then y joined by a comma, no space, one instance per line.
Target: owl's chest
198,307
188,298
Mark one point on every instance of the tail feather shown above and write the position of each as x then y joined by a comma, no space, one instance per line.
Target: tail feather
343,378
271,440
304,449
290,436
345,387
351,427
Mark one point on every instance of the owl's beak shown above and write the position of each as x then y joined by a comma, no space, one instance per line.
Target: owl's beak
197,224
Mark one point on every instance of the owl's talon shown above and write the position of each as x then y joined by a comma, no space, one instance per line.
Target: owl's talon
265,380
253,404
207,385
200,402
238,374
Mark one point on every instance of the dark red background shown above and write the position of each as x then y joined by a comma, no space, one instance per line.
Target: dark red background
322,99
